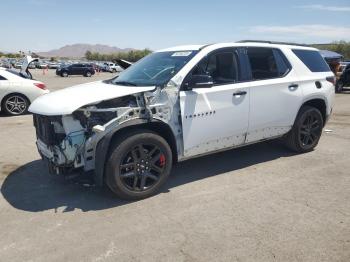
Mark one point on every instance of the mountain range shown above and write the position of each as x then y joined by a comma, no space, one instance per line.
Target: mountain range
79,50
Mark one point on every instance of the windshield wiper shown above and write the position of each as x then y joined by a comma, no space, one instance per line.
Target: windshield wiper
125,83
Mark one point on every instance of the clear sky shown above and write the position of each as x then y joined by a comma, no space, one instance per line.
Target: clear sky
41,25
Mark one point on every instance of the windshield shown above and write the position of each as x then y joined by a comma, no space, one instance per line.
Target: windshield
155,69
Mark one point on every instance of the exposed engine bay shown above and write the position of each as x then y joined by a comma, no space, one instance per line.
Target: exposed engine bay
69,142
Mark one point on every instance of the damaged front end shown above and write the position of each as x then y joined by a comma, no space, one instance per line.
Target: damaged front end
69,142
60,141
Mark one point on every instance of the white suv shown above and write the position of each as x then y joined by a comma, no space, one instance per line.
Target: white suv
183,102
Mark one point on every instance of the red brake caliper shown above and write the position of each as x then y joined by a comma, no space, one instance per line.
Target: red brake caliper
162,160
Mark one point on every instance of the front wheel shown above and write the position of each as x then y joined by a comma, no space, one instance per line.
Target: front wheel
64,74
306,131
138,165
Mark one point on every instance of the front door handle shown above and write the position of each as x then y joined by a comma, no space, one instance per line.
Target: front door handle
293,87
240,93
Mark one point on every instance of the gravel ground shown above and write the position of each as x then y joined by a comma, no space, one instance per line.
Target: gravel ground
257,203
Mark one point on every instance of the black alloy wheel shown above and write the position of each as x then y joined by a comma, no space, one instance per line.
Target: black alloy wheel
142,167
306,131
310,130
138,165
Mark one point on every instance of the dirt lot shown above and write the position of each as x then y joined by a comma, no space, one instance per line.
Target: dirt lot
258,203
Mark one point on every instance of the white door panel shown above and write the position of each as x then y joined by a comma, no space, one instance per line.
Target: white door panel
273,107
213,118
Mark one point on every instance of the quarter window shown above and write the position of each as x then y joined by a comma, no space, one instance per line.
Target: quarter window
2,78
312,59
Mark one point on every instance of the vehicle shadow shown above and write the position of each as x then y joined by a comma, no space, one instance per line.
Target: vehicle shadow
31,188
3,115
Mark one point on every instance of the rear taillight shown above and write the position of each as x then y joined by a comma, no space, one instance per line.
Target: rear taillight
331,79
40,85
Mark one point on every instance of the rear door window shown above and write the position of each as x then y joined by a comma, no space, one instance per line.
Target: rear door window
312,59
267,63
283,65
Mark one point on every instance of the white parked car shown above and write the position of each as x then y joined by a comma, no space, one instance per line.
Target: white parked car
53,65
18,65
42,65
184,102
111,67
18,90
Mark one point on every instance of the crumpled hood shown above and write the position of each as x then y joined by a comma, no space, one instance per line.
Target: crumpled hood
66,101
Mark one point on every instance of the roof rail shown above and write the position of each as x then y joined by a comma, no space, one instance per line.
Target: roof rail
201,48
270,42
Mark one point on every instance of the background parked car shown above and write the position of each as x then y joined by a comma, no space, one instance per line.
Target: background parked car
17,91
5,65
42,65
113,68
342,66
54,65
32,66
344,79
76,69
97,67
18,65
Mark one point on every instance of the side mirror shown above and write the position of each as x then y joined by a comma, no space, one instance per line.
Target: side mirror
200,81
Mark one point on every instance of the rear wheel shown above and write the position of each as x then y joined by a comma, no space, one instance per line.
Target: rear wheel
306,131
15,104
138,165
88,74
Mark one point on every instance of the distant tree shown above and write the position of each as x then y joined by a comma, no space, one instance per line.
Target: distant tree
88,55
53,59
132,55
13,55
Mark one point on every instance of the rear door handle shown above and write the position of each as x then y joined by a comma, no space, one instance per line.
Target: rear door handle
240,93
293,87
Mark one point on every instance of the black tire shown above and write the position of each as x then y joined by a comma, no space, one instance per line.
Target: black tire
138,165
64,74
88,74
306,131
114,70
15,104
339,86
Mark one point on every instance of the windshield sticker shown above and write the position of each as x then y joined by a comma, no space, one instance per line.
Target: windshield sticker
186,53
